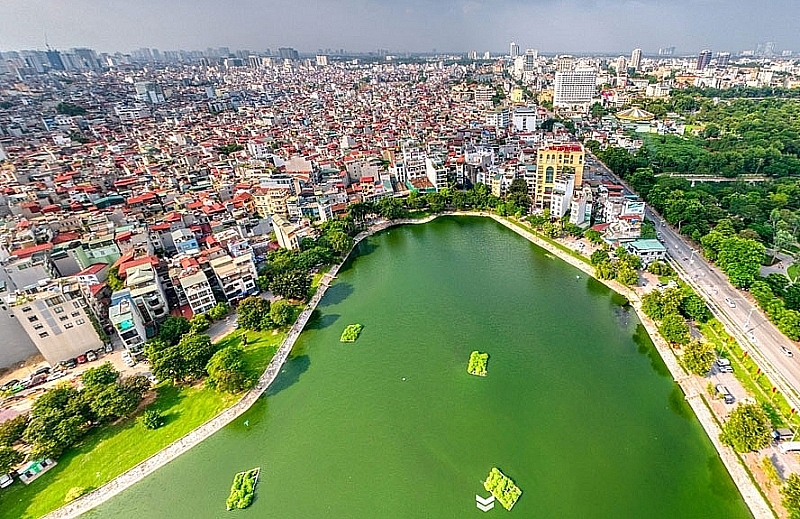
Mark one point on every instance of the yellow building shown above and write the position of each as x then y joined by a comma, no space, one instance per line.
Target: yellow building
551,163
517,95
271,201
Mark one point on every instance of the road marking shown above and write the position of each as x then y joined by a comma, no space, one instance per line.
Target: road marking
484,504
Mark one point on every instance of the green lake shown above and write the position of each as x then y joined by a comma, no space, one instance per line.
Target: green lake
577,408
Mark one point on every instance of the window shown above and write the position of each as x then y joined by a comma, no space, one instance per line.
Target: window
38,326
68,326
26,308
79,322
33,319
75,314
44,334
58,310
63,318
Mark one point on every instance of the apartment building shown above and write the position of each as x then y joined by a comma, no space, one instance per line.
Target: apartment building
236,276
147,292
198,292
128,324
57,319
574,88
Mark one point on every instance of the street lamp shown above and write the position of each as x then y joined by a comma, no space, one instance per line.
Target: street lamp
691,257
747,321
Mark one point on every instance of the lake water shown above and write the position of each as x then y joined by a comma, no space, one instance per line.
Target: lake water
577,407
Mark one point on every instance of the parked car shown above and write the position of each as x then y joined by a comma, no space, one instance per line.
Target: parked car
8,385
108,347
5,480
782,435
724,365
787,351
56,375
69,363
725,394
91,356
42,371
81,359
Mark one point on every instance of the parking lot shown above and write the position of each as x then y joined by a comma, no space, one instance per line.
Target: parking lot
22,401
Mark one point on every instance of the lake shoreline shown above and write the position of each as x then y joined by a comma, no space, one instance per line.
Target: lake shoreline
694,394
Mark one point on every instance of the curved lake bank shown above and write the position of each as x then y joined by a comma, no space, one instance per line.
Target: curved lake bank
577,407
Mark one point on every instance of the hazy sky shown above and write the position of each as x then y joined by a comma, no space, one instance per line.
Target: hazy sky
410,25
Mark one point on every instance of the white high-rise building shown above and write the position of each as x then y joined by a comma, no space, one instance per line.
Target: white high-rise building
322,60
636,59
621,66
524,119
574,88
514,50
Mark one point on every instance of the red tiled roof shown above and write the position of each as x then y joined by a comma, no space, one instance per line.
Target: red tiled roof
30,251
92,269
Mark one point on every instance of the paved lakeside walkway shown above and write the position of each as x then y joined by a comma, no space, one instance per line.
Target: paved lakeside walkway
690,386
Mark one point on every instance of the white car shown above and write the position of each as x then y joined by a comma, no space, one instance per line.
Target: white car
787,352
5,480
730,302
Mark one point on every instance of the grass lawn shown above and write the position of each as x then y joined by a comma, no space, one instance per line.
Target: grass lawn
109,451
793,271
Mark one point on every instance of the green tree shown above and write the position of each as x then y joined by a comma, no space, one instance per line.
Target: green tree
281,312
196,350
59,418
741,260
340,242
518,194
748,429
227,371
9,458
791,496
605,270
251,312
219,311
593,236
11,430
166,362
674,329
651,305
599,256
70,109
627,275
173,329
294,284
113,280
100,376
698,357
693,307
112,402
199,323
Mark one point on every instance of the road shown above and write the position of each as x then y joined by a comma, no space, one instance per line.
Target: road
750,327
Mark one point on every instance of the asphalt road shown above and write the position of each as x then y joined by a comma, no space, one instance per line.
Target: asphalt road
757,335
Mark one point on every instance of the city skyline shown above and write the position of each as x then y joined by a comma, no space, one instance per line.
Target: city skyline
603,26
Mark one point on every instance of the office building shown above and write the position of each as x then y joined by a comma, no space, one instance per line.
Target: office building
723,58
513,50
574,88
703,59
149,92
322,60
556,162
621,66
636,59
530,60
288,53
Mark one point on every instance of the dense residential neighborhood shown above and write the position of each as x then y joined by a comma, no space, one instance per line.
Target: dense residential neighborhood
144,196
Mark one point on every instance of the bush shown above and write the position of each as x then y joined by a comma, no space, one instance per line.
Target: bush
76,492
219,311
477,363
200,323
152,419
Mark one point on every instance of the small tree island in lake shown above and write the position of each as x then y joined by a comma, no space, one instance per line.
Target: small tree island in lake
477,363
